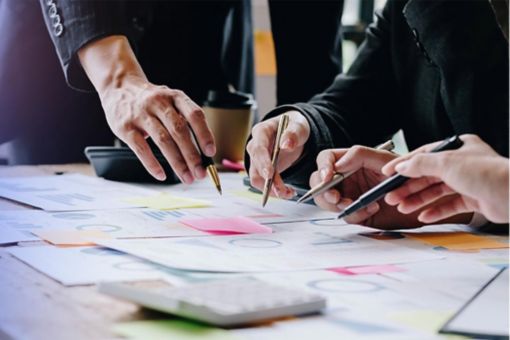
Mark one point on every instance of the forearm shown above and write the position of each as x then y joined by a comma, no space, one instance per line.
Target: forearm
108,62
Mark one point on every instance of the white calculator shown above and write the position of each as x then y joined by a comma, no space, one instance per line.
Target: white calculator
226,302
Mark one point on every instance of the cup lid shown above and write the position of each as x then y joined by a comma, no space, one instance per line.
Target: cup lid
229,100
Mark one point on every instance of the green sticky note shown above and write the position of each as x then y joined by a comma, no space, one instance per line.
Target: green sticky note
166,201
171,329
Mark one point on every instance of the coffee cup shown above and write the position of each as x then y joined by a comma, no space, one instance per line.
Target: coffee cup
229,115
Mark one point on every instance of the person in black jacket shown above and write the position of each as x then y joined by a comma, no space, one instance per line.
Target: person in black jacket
431,68
192,46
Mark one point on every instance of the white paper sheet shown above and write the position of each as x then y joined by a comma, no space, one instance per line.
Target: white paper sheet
122,223
70,192
9,236
87,265
269,252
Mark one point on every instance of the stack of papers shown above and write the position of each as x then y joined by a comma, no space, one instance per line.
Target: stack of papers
395,285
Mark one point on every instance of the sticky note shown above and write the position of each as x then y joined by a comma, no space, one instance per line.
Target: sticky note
164,201
70,237
170,329
227,225
265,60
360,270
457,240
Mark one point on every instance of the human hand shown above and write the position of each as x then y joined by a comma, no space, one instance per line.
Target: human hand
137,109
366,163
260,148
474,177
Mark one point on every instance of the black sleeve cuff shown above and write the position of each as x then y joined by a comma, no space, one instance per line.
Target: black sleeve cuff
73,24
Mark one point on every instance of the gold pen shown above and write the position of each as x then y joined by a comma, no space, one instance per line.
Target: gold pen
208,164
282,125
338,178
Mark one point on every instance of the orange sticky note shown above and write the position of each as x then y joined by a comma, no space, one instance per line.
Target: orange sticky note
265,60
457,240
69,237
227,225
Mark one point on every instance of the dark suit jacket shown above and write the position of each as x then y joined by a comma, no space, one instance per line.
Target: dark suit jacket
200,45
431,68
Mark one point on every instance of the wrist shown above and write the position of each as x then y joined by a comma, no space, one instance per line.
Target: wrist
110,63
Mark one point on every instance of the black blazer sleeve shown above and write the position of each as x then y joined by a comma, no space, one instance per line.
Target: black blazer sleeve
354,109
74,23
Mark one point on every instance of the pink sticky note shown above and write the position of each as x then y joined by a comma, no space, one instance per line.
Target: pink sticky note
360,270
231,165
227,225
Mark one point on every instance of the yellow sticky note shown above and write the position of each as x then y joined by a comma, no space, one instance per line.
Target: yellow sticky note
166,201
70,237
265,60
457,240
171,329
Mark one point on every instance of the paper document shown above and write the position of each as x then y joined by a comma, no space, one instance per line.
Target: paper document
87,265
9,236
269,252
486,315
70,192
121,223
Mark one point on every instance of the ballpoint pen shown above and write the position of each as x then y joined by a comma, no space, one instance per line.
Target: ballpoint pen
208,164
282,125
394,181
338,178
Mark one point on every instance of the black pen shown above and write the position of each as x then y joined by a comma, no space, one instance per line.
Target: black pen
394,181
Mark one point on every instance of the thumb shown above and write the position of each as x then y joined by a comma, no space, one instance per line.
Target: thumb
295,135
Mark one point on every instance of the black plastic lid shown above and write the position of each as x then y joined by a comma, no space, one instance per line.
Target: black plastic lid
229,100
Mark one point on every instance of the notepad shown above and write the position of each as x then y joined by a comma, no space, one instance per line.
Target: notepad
66,237
457,240
164,201
227,225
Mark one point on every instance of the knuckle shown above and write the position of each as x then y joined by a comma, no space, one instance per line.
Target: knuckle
197,115
163,138
179,127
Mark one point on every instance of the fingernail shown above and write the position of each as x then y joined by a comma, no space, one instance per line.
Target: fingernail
324,173
402,166
160,176
372,208
199,172
265,173
287,144
330,197
187,177
210,150
276,192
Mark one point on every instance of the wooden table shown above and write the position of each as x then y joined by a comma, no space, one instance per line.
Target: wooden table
33,306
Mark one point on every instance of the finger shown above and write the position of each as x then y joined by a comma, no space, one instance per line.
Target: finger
282,191
438,212
389,169
363,214
296,134
165,143
359,157
425,164
134,139
409,188
256,180
424,198
259,148
326,163
178,128
196,119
